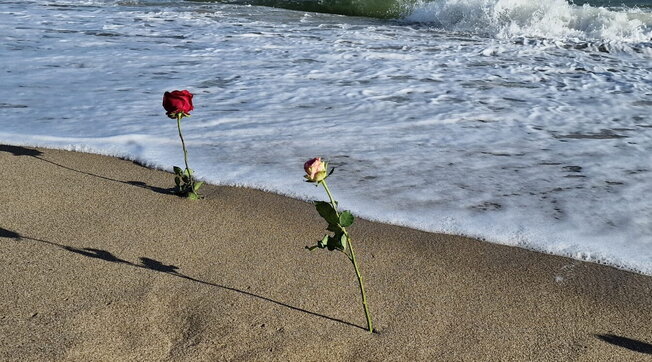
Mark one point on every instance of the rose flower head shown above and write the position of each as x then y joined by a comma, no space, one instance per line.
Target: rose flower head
177,103
315,170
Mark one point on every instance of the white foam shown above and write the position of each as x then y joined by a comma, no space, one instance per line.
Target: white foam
556,19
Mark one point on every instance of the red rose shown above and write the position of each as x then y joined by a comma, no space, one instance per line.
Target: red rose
176,102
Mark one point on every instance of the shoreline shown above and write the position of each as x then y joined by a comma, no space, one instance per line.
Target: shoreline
102,263
587,255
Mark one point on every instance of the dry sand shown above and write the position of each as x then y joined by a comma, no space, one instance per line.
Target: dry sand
100,263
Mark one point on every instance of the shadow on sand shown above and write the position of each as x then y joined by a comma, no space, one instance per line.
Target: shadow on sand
155,265
24,151
628,343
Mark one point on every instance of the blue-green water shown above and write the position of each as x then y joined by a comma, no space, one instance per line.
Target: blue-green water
401,8
616,3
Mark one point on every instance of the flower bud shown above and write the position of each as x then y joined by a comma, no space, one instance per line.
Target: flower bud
315,170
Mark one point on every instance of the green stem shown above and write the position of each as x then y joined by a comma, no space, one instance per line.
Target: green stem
362,292
183,144
333,203
353,260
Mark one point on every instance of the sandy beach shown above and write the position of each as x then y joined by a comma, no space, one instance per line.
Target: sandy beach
101,263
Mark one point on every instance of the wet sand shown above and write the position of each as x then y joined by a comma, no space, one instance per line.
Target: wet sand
101,263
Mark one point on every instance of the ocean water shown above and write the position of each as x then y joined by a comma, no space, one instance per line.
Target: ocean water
518,122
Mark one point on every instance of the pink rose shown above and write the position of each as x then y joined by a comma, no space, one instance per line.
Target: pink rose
315,170
176,102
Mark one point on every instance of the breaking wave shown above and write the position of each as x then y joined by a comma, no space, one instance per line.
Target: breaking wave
551,19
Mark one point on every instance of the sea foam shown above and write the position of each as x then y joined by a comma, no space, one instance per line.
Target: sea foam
553,19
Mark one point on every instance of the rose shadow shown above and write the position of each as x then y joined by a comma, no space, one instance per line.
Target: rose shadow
23,151
20,151
155,265
628,343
